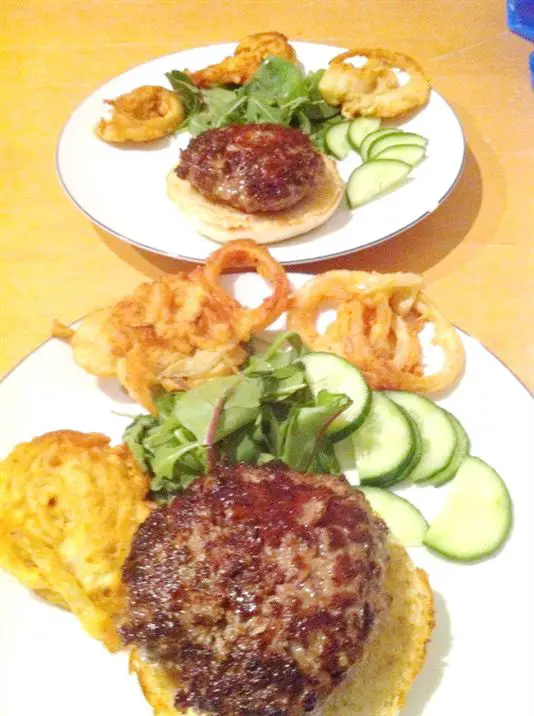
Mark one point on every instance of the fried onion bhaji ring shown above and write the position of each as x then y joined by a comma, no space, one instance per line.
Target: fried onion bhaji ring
246,60
179,330
242,254
377,325
69,507
142,115
373,90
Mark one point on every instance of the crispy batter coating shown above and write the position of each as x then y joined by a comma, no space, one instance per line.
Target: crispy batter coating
248,56
377,325
142,115
69,507
374,89
179,330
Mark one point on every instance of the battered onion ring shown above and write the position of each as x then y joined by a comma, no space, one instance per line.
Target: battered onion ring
246,60
142,115
242,254
379,318
339,84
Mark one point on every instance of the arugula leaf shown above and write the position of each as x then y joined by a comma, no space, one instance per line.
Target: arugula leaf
277,80
219,107
194,410
316,109
305,428
186,91
279,92
265,413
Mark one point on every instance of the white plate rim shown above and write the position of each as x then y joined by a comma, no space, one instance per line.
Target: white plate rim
285,262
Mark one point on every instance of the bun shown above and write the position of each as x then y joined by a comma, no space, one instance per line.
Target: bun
380,683
223,223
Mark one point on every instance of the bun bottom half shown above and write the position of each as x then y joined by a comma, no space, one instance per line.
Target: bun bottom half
380,683
223,223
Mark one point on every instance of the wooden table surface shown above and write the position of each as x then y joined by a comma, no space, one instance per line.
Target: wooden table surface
476,251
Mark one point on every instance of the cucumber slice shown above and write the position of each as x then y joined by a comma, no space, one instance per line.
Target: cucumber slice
372,136
460,452
374,178
384,445
392,139
409,153
326,371
436,430
406,523
417,454
359,129
347,461
477,517
336,140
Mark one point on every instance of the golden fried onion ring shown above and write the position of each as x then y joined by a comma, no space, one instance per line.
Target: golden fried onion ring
373,90
142,115
242,65
377,325
180,330
243,254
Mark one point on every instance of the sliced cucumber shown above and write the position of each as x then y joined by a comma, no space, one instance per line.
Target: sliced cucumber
436,430
460,452
374,178
359,129
326,371
344,451
384,445
371,137
409,153
406,523
477,517
392,139
417,454
337,141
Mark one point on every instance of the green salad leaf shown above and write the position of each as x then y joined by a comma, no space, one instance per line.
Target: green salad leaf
264,413
279,92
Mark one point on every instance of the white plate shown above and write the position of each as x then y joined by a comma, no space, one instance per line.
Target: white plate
123,189
480,659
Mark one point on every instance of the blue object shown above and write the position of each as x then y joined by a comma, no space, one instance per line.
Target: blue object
532,69
521,17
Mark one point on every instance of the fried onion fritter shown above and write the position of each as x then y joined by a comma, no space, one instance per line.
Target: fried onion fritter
179,330
69,507
378,321
373,89
142,115
246,60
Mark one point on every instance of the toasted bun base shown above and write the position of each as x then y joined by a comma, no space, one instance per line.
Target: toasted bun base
223,223
380,684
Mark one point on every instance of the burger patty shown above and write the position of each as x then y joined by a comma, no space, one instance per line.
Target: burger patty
252,167
257,589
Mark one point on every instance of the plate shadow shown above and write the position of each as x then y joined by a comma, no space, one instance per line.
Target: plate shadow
422,246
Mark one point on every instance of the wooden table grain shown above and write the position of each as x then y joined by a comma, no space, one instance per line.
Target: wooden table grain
476,251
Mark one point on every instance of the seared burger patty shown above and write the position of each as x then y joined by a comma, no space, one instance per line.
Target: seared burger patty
257,588
252,167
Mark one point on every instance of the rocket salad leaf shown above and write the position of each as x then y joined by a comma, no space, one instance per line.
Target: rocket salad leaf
266,412
279,92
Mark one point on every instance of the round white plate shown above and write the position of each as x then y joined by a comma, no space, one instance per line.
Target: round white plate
123,189
480,658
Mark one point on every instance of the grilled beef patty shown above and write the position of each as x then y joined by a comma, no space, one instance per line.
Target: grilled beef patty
252,167
257,588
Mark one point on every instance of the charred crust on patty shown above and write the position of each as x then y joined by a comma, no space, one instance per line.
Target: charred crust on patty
258,588
255,168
